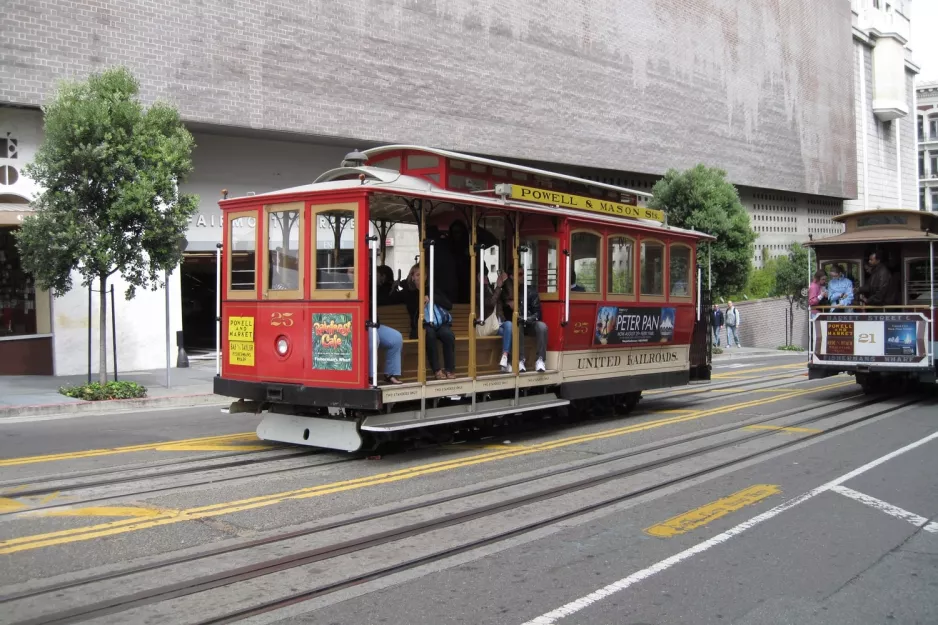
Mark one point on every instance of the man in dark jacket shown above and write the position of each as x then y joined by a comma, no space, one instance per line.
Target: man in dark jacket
716,322
876,291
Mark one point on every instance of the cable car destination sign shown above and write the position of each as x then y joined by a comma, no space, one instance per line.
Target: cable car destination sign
578,202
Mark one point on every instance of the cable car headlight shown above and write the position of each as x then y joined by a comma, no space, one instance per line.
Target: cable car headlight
283,345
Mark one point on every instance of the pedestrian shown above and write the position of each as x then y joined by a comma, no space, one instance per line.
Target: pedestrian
716,321
732,325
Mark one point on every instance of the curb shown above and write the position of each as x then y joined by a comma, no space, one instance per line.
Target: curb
114,405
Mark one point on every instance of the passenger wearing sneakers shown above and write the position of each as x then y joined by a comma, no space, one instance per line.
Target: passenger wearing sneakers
530,322
493,322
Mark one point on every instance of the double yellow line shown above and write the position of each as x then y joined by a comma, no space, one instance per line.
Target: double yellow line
79,534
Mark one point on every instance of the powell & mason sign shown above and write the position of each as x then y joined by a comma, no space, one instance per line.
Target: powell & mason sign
577,202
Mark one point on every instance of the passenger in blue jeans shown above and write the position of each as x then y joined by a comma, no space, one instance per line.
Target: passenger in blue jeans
389,293
493,321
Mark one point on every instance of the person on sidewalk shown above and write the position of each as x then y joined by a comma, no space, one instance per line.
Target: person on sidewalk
732,325
716,323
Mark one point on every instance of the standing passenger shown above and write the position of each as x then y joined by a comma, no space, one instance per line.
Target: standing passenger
840,289
876,291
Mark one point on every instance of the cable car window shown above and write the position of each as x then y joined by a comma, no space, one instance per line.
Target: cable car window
284,235
621,273
679,271
868,221
334,259
652,269
586,261
242,253
917,285
545,267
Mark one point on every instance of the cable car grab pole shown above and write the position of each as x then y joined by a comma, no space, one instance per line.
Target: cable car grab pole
432,306
699,289
524,281
218,309
931,282
479,260
374,311
566,299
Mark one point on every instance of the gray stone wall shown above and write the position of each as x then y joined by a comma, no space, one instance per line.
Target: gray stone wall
762,323
759,88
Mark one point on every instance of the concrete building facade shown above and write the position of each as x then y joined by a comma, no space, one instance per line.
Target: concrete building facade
927,136
277,92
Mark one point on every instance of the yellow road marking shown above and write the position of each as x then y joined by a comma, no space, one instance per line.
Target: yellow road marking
118,511
743,370
780,428
212,447
208,443
689,521
49,497
674,411
60,537
9,505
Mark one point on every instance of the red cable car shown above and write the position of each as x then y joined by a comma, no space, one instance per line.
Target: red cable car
521,265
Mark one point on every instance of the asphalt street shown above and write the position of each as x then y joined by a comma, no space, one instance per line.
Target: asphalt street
760,498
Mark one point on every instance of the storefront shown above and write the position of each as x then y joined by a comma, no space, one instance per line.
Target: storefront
26,346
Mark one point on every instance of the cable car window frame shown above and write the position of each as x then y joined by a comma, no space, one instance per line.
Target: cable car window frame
559,279
690,277
600,293
622,297
251,294
315,210
651,297
267,292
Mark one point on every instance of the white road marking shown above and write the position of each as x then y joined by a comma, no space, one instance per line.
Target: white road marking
736,366
583,602
888,508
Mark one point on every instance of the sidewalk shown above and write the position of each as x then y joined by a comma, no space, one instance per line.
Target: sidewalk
30,395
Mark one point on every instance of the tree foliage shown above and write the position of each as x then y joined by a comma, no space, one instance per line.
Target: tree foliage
702,199
792,276
109,170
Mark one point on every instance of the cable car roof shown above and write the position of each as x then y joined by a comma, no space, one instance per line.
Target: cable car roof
890,225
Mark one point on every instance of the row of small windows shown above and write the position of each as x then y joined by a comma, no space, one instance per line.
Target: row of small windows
825,230
775,218
781,209
771,197
816,211
816,202
775,229
814,220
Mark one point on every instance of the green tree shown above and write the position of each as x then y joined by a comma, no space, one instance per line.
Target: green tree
792,276
701,199
109,170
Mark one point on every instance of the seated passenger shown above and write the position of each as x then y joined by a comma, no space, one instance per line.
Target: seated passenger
573,285
499,325
840,289
388,338
438,329
410,296
530,321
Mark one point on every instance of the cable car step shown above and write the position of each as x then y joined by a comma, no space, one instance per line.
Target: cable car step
453,414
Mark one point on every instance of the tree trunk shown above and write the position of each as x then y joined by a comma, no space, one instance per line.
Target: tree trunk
102,352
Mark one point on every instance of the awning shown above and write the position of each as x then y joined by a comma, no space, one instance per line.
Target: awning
14,214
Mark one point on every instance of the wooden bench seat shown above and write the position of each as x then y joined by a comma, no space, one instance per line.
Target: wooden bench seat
488,349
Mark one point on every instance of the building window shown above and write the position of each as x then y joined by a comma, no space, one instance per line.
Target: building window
652,268
8,147
621,272
934,199
933,126
921,165
17,291
921,128
586,260
921,199
8,175
933,162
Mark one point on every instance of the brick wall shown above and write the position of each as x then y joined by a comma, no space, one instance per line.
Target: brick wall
759,88
762,323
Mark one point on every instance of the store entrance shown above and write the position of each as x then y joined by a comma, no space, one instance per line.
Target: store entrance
198,303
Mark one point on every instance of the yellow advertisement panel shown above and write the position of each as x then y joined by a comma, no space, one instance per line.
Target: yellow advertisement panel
240,328
579,202
241,353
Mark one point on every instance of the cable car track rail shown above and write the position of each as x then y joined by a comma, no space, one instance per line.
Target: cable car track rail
120,604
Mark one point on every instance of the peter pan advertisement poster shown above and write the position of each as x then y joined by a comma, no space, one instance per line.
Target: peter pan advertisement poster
332,341
620,326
